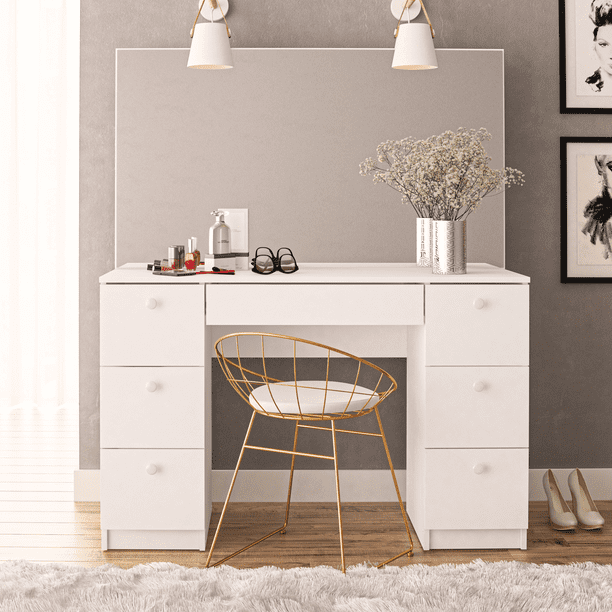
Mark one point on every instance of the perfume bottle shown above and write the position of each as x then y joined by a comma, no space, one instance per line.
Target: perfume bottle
219,235
192,258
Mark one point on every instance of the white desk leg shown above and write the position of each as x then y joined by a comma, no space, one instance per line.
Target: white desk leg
208,357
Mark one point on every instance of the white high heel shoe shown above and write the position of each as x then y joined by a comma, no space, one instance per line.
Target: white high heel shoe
561,517
582,504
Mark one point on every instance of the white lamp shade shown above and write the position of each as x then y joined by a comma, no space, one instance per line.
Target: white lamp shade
414,48
210,47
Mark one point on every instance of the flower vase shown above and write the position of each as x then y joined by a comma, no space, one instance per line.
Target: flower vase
449,247
423,242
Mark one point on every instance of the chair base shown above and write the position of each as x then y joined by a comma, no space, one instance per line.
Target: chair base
283,529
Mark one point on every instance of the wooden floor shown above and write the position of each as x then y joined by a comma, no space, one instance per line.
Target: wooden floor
40,522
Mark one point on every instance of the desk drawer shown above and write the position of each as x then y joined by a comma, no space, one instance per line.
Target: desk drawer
314,304
477,324
151,407
477,407
476,488
151,325
171,498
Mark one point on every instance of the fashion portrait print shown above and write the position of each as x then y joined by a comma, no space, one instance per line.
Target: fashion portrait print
598,211
600,14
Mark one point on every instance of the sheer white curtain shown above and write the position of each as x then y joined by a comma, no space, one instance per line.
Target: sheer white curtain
39,64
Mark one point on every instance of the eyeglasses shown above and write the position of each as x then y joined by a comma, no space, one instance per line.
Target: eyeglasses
265,262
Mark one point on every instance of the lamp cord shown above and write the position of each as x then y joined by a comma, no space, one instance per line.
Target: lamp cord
407,5
214,5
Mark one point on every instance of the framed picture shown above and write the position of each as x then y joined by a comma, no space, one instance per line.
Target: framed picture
585,38
586,210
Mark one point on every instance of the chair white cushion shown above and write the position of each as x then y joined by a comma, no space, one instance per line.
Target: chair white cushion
311,395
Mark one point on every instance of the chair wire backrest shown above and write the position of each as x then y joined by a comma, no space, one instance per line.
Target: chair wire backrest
230,350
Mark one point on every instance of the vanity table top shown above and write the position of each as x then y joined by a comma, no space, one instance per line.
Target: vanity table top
355,273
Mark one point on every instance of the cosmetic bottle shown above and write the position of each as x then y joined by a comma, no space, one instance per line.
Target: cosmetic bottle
180,255
219,235
192,258
174,258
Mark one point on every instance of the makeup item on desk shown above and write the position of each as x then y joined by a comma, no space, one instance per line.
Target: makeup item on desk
174,273
215,271
238,221
219,235
156,266
195,251
223,261
192,258
174,258
181,249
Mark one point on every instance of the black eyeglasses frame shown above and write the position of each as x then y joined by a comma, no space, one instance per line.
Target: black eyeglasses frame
275,260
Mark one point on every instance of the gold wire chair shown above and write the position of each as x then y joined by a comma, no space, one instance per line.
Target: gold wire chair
302,401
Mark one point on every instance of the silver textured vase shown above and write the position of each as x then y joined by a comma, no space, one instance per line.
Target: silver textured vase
449,247
423,242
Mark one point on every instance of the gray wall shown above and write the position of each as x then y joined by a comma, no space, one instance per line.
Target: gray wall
571,423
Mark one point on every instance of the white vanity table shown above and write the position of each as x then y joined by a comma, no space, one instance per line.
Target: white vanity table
466,340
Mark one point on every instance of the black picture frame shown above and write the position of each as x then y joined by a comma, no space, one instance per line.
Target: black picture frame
578,61
584,200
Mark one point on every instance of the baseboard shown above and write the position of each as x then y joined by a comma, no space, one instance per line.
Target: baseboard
355,485
598,480
87,485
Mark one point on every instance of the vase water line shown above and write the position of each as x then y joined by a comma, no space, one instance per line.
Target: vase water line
449,247
424,241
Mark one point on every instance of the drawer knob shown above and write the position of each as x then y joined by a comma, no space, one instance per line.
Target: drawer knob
151,303
151,386
151,469
479,468
479,303
479,386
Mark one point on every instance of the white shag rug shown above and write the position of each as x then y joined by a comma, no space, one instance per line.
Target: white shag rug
166,587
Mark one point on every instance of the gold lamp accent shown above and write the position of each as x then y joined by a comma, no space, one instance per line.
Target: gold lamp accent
210,48
414,48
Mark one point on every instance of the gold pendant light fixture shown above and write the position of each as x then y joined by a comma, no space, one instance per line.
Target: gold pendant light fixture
414,48
210,48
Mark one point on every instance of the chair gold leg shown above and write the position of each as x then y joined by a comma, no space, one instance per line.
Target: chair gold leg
212,546
408,552
281,529
295,438
333,430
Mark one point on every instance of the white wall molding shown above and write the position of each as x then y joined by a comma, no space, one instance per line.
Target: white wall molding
355,485
87,485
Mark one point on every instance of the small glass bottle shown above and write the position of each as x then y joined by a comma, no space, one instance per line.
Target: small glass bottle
174,258
192,259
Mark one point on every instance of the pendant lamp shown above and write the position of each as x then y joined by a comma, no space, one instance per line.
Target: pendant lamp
414,48
210,47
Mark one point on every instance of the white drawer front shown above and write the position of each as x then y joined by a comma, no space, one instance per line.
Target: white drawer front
477,407
314,305
476,488
477,324
151,407
152,325
171,498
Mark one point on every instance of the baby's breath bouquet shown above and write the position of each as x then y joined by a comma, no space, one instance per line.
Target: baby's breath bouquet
443,177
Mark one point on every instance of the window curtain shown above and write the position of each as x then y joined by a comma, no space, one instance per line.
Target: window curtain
39,65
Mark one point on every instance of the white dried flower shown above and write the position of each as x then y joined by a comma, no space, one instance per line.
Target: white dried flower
444,176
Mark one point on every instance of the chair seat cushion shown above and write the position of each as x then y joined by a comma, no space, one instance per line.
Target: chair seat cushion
312,395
